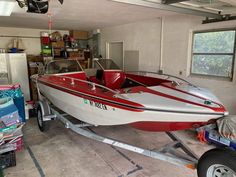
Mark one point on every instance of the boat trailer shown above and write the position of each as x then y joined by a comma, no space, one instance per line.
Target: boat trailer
218,162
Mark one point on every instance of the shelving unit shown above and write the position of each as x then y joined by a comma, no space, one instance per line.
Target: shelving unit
58,48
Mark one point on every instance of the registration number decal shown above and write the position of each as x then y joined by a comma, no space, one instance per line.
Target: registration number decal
95,104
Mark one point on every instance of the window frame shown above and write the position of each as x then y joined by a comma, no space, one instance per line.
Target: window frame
233,54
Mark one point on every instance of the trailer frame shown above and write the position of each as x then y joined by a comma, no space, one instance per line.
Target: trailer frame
169,152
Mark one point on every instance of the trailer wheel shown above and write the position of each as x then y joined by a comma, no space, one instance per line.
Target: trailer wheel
217,163
43,126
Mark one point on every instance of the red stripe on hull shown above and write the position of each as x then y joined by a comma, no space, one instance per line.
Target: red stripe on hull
90,97
144,89
166,126
221,109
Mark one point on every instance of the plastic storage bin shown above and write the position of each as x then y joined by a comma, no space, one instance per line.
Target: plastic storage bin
7,159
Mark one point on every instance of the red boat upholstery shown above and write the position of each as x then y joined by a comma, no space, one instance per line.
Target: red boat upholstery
114,79
98,79
95,80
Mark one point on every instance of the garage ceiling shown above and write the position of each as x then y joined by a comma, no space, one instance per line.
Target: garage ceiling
82,14
93,14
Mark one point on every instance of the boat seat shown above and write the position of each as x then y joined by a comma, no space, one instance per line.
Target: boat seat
94,80
114,79
99,74
98,79
110,79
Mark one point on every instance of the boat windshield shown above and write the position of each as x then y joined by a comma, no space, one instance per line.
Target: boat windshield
106,64
63,66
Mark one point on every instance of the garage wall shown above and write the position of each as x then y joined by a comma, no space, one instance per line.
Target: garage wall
177,34
31,44
142,36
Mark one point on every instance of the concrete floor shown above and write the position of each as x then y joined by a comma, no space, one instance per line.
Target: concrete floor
62,153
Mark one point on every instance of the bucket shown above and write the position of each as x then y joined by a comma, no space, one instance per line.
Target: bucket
28,107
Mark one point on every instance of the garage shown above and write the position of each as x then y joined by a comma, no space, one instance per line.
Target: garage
115,88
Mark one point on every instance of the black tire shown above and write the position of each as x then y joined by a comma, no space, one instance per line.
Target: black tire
43,125
217,161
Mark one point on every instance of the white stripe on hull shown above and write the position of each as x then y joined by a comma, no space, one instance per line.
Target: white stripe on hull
78,108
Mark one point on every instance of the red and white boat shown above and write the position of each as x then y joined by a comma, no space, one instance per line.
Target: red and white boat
106,95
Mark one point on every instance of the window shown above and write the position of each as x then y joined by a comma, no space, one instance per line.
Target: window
213,53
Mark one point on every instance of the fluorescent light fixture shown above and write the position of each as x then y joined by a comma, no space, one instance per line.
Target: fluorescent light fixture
6,7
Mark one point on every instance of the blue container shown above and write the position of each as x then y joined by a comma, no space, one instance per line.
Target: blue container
212,136
13,50
20,104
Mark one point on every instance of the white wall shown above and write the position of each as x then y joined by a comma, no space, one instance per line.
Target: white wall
32,44
145,37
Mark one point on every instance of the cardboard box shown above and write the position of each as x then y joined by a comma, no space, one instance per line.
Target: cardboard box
57,52
73,54
58,44
79,34
34,58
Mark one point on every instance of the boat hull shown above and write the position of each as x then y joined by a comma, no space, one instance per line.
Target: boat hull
93,111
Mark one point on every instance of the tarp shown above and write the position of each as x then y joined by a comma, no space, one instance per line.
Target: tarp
227,127
8,112
12,91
